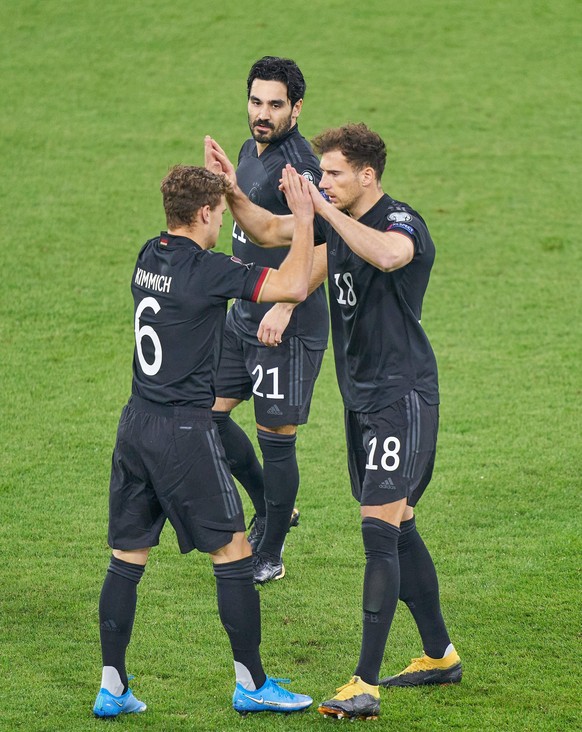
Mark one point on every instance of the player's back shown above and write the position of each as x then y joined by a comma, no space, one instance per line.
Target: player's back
180,293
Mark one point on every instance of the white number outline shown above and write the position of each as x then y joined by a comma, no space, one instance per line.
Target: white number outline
275,371
150,369
349,298
386,455
235,233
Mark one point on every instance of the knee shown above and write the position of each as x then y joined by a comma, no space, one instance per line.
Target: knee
238,548
135,556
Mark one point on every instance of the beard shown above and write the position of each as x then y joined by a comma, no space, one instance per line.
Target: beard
276,132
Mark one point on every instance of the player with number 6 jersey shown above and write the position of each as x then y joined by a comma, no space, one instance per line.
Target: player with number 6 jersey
168,462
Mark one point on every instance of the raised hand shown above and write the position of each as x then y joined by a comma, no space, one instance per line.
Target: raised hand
217,161
296,190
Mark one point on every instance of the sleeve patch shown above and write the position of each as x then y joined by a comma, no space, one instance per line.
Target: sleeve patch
239,261
400,225
400,217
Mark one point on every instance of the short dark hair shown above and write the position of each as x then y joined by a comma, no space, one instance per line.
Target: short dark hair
274,68
186,189
360,146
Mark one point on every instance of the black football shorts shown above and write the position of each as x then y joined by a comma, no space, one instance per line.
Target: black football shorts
280,379
169,463
391,453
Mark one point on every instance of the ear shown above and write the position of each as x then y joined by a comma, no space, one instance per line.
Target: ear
367,176
296,111
204,213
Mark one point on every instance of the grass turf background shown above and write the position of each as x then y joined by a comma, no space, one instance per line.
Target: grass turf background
478,105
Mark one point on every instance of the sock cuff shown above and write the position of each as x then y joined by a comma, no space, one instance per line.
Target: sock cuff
276,447
408,525
376,524
276,438
220,418
241,569
380,539
127,570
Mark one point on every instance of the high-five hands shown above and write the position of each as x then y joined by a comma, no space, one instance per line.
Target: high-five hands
296,190
216,160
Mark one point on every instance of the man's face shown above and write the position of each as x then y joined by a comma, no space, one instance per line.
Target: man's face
341,183
216,215
270,112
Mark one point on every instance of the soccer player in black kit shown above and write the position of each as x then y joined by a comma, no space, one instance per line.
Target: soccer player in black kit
271,353
168,461
380,255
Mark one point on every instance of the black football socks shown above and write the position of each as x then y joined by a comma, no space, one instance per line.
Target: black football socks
117,612
243,462
240,613
380,597
281,478
419,589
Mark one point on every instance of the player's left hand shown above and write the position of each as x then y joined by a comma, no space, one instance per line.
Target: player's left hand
320,201
274,323
296,190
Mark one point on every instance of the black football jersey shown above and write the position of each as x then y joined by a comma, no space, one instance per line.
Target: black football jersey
180,293
259,177
381,351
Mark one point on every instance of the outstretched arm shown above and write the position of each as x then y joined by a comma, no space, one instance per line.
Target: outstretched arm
263,227
385,250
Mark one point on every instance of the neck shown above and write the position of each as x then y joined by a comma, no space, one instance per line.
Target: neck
191,232
365,203
262,146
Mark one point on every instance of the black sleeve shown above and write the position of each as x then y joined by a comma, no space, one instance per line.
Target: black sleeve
320,229
227,277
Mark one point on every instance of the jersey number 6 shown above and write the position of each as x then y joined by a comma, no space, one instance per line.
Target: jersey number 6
146,331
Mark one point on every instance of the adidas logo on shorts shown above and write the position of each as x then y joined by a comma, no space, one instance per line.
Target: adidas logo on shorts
274,410
387,484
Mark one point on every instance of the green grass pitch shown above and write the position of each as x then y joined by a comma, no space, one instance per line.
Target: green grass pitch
478,104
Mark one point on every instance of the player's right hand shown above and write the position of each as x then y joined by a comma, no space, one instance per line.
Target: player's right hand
216,160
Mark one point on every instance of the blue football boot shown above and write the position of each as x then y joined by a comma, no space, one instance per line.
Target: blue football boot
109,705
269,698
